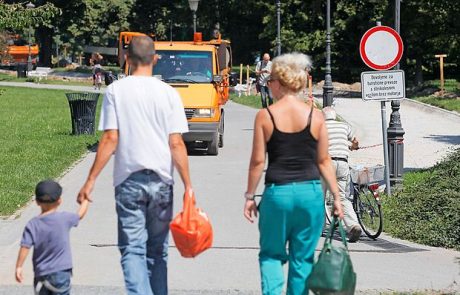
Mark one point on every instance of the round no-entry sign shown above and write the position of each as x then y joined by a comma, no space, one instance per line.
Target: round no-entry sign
381,48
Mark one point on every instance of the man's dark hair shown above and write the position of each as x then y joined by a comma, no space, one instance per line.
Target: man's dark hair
141,51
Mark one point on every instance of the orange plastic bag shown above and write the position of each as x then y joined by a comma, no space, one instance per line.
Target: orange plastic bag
191,229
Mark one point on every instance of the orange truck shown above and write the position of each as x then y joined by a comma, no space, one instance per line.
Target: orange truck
18,51
200,71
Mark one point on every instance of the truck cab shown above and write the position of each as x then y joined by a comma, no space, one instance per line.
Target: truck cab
200,71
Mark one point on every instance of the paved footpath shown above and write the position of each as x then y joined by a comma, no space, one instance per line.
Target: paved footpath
231,266
51,86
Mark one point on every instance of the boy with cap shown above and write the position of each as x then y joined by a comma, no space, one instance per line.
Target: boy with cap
48,233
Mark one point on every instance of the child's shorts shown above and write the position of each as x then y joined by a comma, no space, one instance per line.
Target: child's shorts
56,283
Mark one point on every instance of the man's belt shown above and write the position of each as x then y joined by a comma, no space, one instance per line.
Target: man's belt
340,159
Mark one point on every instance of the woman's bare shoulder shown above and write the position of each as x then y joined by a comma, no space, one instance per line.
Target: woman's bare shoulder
318,115
317,123
262,114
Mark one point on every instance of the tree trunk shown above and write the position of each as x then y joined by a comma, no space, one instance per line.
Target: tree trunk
45,40
418,71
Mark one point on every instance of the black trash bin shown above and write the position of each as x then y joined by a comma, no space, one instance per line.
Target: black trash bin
83,112
21,69
109,78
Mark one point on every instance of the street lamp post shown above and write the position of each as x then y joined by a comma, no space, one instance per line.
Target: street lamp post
29,5
194,7
395,132
278,27
328,88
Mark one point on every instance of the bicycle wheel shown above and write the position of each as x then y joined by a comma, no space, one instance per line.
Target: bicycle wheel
369,212
328,202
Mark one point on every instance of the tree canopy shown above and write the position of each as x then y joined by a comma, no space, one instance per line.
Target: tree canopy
428,27
17,17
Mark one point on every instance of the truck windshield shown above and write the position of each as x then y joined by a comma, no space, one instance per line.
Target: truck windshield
184,66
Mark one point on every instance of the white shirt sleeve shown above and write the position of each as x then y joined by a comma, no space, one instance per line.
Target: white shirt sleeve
350,134
108,119
258,66
177,119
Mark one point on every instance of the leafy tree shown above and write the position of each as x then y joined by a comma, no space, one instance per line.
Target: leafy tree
16,16
100,22
428,28
303,29
83,22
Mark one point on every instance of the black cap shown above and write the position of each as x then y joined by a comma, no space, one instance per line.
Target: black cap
48,191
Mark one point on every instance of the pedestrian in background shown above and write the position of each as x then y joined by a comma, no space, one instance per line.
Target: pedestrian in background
143,120
48,234
263,71
294,136
341,141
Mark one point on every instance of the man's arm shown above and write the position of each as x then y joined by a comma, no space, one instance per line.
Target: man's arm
352,139
258,72
180,158
23,252
106,148
268,68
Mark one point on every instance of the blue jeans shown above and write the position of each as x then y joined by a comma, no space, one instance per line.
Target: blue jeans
265,94
144,206
59,280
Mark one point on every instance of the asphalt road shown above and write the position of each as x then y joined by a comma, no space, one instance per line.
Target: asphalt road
231,266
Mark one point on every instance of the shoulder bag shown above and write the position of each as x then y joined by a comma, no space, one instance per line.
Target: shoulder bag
333,272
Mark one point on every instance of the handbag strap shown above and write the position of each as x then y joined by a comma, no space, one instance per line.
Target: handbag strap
336,223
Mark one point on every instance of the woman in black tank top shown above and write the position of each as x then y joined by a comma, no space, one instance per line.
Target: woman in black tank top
292,208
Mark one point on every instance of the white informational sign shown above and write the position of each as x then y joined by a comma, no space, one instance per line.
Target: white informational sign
383,85
381,48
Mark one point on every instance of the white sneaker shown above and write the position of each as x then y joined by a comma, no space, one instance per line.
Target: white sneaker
354,234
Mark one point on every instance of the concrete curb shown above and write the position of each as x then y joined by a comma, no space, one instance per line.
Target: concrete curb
431,109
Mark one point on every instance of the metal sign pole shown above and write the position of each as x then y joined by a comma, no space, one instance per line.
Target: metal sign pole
383,110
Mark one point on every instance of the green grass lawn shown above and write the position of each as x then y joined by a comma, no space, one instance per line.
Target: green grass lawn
252,101
451,104
88,70
10,78
35,142
426,209
450,85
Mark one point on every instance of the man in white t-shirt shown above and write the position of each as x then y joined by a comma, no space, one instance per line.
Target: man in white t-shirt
143,120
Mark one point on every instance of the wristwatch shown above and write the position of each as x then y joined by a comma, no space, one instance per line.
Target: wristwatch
249,196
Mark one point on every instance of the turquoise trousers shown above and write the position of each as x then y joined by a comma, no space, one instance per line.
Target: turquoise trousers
290,224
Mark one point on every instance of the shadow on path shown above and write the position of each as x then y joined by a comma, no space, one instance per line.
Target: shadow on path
449,139
384,246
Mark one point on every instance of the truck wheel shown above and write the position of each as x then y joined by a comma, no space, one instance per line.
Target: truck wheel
221,131
213,146
221,140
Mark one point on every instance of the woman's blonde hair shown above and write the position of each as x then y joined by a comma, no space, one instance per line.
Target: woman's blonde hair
291,70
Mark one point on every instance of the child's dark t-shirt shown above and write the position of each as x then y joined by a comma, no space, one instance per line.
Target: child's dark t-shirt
49,235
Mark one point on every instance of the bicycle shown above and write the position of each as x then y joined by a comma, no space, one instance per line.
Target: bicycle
366,189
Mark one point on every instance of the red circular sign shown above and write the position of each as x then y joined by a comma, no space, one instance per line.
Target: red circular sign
381,48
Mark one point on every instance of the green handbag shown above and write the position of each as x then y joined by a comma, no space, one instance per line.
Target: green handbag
333,272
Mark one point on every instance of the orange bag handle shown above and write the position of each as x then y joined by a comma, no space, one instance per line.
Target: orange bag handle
188,209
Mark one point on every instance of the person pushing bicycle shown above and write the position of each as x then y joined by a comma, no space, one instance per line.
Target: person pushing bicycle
340,136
